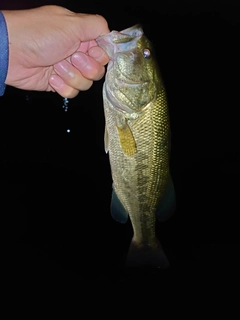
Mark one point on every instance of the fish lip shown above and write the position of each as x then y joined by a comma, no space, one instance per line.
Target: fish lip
128,34
132,32
135,31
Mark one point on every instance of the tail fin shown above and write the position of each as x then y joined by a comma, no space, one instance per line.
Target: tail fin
145,256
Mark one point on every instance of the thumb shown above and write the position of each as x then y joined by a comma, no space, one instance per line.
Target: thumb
91,26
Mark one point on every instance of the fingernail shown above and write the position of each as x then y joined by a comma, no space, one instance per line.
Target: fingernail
79,60
62,68
56,82
96,53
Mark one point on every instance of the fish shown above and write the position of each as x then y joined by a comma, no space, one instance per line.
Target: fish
137,139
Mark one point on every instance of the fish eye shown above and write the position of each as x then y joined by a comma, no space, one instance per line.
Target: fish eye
146,53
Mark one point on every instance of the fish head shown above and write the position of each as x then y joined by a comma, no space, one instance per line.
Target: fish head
132,73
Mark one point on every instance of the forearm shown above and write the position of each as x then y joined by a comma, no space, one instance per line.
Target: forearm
3,53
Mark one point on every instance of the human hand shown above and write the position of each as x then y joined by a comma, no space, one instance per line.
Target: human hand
54,49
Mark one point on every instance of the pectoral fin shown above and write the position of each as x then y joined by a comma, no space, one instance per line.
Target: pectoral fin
167,204
117,210
127,140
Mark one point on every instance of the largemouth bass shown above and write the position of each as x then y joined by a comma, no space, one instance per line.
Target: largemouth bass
137,138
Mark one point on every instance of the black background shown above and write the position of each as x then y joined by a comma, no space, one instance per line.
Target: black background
56,186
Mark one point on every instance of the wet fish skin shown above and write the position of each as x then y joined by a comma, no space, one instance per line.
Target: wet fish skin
137,138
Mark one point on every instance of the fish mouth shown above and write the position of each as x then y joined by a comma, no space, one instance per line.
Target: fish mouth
120,46
116,41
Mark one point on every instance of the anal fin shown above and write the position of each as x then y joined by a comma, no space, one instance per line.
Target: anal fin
167,203
117,210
